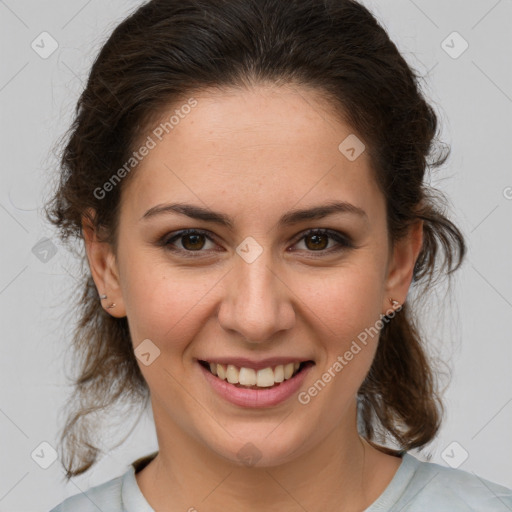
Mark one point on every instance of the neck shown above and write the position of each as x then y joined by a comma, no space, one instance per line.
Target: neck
343,472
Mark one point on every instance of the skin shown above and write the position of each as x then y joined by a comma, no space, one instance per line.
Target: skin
254,155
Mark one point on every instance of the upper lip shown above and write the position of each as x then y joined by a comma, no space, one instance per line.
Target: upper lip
255,364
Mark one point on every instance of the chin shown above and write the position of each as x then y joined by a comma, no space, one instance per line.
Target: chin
261,449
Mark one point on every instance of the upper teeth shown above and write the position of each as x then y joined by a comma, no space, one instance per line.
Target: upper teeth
266,377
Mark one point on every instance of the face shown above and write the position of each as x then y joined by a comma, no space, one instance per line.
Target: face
254,284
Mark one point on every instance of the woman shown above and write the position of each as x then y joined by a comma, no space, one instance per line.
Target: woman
248,178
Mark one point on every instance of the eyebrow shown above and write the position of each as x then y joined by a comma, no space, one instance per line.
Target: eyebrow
288,219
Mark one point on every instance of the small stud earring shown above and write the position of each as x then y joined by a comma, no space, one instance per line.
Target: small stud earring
103,297
394,302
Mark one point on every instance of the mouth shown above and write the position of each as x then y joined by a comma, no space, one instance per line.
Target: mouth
251,378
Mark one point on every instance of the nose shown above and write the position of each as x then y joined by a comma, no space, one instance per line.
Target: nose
257,302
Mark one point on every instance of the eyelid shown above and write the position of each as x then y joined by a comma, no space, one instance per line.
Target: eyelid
176,235
334,234
343,241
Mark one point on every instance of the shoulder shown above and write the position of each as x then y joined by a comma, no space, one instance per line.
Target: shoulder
111,496
440,488
105,497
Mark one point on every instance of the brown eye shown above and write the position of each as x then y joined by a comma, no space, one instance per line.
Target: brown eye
319,241
189,241
324,241
193,242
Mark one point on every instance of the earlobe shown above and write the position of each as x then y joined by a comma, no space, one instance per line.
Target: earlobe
104,269
401,268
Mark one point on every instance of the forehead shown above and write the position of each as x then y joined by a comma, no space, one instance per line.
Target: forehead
251,149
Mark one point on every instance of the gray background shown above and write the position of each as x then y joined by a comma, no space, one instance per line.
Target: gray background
470,331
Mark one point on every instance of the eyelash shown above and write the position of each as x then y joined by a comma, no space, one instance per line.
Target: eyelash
343,242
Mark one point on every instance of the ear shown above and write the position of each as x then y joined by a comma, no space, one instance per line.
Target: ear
401,265
103,266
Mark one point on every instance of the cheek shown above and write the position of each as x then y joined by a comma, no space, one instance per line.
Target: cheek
165,304
347,300
345,310
171,304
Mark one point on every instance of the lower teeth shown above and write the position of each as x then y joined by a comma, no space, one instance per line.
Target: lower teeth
238,385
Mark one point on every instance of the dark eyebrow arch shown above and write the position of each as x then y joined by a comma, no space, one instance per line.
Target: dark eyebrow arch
288,219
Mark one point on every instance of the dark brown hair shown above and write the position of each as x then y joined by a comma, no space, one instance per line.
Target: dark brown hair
168,50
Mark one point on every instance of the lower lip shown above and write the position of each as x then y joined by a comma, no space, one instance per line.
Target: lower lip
256,398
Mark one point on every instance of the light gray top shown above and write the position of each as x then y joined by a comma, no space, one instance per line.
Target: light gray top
416,487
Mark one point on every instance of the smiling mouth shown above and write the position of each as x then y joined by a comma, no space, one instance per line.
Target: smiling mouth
250,378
